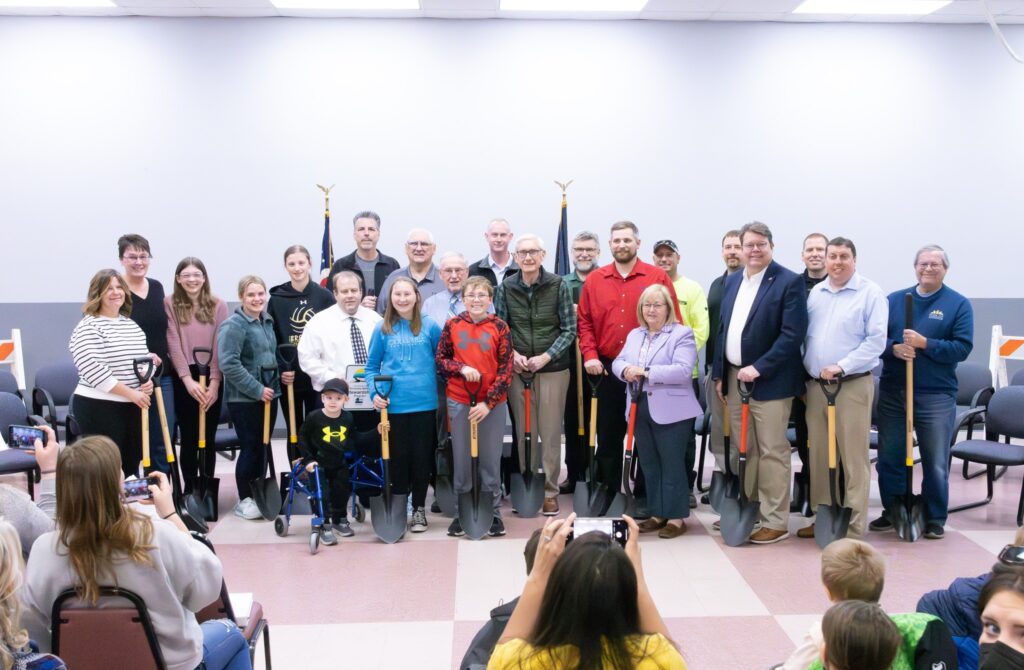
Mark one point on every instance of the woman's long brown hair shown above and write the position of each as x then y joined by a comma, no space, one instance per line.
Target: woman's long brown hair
92,520
182,303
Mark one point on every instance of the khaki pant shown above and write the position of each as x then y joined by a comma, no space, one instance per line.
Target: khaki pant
768,453
716,437
853,425
547,407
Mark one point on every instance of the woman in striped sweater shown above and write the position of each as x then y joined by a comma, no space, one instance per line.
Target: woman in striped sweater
104,346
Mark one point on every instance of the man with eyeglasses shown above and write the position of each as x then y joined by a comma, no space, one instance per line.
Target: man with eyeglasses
586,249
940,336
764,322
419,248
448,303
607,313
499,262
369,264
537,307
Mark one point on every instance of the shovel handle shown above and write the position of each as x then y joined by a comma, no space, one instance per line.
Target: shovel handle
266,422
744,419
145,438
631,428
202,356
385,445
593,422
143,368
579,391
908,313
831,436
528,401
292,437
202,414
474,447
162,412
726,421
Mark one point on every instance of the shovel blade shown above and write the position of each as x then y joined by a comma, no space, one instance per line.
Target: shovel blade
445,493
476,512
723,485
527,494
388,517
582,501
211,494
831,524
267,495
622,503
738,519
907,516
194,506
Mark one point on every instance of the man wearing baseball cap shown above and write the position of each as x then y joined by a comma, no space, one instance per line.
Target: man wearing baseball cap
693,305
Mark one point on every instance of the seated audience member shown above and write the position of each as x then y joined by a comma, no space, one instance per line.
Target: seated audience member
586,605
857,636
854,570
1001,605
17,652
957,605
482,646
28,518
100,541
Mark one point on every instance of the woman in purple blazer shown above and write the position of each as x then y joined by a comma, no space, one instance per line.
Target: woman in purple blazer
662,350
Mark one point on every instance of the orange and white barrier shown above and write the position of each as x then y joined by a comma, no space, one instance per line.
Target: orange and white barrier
1004,348
11,355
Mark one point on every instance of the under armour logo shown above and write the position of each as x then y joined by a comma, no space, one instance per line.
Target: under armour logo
484,341
941,665
340,434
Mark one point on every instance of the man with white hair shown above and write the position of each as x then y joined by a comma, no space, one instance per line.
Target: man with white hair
448,303
419,248
537,306
498,263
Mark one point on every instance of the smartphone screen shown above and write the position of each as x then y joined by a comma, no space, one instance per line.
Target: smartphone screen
24,437
138,489
616,528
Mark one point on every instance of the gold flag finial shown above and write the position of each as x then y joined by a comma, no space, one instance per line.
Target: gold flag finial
327,194
563,185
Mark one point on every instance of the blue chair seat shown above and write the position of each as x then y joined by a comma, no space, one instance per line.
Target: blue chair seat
989,453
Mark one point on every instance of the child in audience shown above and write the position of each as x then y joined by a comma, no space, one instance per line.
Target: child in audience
854,570
858,636
323,438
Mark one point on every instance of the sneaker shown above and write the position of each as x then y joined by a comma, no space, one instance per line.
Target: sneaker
717,525
434,507
497,527
343,528
934,532
693,501
327,537
881,524
768,536
419,520
248,509
705,500
455,529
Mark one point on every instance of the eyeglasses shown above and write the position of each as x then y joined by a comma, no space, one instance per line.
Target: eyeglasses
190,275
929,266
584,250
133,258
474,297
750,246
454,271
1012,555
529,253
420,245
654,305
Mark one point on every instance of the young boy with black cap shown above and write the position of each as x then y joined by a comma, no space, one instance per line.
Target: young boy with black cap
323,439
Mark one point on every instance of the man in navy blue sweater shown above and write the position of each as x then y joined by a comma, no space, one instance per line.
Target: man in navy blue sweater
940,336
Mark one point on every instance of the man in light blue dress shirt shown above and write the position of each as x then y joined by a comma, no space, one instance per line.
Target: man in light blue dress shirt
847,320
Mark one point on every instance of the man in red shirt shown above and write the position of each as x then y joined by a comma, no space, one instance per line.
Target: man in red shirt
607,312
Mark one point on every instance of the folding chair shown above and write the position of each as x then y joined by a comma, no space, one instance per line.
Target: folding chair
974,389
16,461
109,635
51,397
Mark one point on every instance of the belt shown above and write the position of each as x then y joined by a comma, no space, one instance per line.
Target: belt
845,378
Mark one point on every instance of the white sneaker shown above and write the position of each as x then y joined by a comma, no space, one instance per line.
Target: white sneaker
248,509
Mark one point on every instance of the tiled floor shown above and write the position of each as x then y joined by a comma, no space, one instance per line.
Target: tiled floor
417,604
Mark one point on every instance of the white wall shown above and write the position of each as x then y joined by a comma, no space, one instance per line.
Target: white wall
208,136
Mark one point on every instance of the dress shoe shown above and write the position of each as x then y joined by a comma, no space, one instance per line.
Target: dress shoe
550,507
769,536
568,486
651,525
671,530
806,533
693,501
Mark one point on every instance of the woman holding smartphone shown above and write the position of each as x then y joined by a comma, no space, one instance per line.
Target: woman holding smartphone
246,346
403,346
104,346
193,315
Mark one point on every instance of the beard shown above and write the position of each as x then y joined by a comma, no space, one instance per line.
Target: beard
624,255
585,266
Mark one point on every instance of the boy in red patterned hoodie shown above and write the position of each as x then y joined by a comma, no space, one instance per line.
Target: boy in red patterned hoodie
475,355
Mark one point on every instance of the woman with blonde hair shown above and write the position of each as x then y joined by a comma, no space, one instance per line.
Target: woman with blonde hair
17,652
102,541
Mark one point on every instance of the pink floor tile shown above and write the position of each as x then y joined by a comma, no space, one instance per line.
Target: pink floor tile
737,643
462,635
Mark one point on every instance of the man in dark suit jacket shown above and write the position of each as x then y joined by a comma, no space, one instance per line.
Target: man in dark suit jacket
370,265
763,324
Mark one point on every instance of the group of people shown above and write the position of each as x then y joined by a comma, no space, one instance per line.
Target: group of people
460,342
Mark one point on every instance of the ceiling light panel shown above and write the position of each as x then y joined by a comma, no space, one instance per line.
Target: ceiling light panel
865,7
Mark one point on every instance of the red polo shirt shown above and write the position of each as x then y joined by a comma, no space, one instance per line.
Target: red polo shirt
607,309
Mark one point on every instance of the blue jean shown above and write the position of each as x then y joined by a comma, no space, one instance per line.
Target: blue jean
224,647
252,456
157,450
662,452
934,416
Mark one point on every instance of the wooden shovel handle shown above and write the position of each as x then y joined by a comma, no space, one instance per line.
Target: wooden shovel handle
162,412
202,416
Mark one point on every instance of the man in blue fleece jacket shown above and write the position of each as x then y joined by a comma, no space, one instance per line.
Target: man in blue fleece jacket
940,336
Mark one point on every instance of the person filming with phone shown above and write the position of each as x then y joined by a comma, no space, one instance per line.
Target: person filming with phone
586,605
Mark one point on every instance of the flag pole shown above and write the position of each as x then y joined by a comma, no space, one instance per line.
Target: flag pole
326,246
563,239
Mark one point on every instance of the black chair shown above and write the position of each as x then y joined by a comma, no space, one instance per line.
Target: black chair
51,397
1004,418
255,625
702,428
109,635
974,389
225,441
9,384
1018,378
16,461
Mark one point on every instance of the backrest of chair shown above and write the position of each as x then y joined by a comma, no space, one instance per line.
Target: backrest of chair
1018,378
12,412
971,378
1005,414
117,633
59,380
9,383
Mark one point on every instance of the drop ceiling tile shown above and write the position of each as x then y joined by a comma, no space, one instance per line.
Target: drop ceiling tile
682,5
462,5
